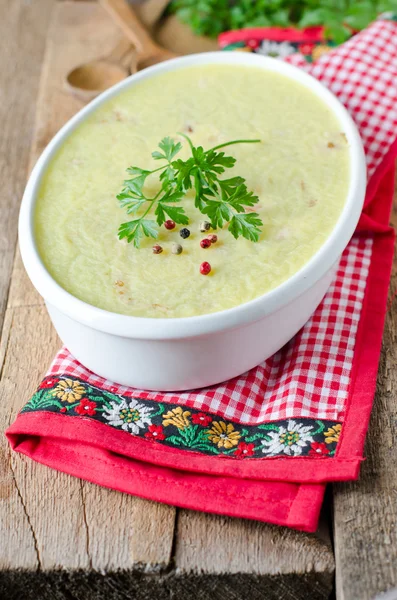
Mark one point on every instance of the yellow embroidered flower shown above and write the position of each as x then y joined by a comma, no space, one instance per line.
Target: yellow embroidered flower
177,417
320,50
68,390
223,435
333,433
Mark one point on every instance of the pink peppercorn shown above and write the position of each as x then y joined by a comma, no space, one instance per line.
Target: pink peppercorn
212,238
205,243
169,224
205,268
157,249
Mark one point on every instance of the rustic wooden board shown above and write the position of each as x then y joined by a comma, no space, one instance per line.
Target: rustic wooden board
64,538
19,79
21,59
365,511
59,521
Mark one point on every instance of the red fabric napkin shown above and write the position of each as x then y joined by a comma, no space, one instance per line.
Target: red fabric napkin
264,444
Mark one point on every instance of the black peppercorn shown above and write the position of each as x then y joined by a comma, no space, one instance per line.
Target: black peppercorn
184,233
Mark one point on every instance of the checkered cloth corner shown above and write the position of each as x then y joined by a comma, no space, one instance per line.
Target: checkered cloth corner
310,376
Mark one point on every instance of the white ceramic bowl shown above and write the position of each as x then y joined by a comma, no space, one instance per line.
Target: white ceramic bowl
186,353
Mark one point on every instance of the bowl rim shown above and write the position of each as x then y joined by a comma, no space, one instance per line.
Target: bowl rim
248,312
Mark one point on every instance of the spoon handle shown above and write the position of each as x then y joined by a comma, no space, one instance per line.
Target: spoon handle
150,12
125,18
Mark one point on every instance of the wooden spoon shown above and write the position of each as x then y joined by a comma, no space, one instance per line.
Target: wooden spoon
88,80
147,51
150,12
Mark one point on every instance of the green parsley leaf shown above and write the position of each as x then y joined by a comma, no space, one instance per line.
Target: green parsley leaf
169,148
176,213
240,197
248,225
218,212
135,230
130,204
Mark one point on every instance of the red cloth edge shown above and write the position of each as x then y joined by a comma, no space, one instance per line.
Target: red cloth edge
40,426
289,504
278,34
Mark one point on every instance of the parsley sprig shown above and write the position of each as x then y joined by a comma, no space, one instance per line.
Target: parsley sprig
221,200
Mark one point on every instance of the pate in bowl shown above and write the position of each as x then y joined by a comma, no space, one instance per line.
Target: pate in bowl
148,318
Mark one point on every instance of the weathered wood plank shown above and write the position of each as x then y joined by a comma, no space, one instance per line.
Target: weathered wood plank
365,511
52,504
261,558
216,544
63,522
22,33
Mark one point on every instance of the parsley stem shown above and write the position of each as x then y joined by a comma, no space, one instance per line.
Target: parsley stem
148,208
159,169
188,139
234,142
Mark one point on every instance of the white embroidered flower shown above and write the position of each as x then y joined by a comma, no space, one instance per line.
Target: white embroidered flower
276,49
129,415
289,440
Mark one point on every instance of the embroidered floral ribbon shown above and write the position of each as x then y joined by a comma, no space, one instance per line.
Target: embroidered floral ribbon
191,429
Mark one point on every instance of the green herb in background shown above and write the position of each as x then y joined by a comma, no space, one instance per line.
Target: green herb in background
340,17
222,200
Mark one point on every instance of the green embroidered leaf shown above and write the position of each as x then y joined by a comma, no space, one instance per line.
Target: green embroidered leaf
207,448
256,436
175,440
160,411
34,401
42,399
230,451
100,400
320,429
270,427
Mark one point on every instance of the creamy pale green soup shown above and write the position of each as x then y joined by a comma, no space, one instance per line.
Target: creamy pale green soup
300,171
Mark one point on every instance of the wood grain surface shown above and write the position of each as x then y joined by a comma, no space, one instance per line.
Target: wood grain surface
50,520
63,538
365,511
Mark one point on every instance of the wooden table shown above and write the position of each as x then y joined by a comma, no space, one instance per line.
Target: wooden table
62,538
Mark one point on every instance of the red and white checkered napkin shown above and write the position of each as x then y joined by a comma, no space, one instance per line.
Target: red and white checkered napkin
310,376
250,447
